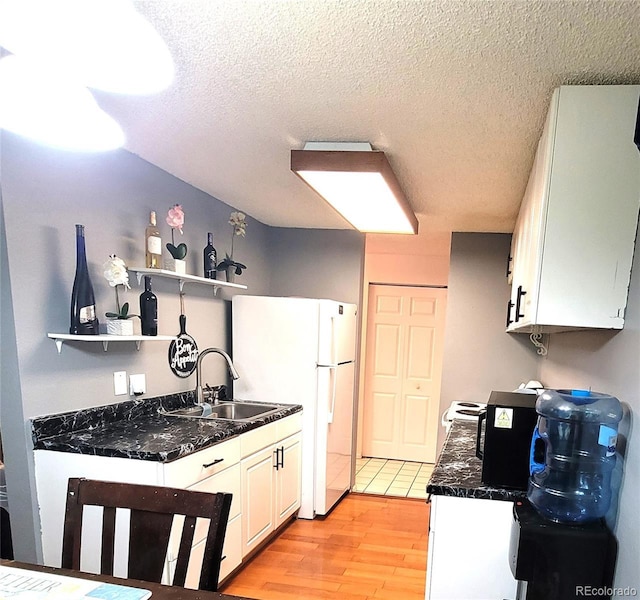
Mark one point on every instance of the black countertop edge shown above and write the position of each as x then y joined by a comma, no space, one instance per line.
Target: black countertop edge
458,471
137,432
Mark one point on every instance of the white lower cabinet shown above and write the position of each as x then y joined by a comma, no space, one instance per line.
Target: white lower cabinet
231,553
271,478
258,502
219,468
288,479
229,481
468,555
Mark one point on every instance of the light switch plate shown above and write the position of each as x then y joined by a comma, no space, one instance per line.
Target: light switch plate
120,383
137,384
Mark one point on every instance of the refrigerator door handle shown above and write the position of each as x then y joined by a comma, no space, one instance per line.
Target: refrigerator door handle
333,372
333,395
333,341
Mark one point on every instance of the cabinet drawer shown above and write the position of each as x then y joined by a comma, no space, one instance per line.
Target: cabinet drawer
231,551
225,481
259,438
186,471
289,425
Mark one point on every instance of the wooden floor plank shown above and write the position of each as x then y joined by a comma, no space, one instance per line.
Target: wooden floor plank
368,548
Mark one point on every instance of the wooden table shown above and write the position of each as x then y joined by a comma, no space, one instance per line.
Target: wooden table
158,591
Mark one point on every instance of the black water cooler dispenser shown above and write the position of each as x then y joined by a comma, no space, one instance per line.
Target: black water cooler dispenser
560,561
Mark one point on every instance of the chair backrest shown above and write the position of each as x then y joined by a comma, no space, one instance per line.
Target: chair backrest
151,519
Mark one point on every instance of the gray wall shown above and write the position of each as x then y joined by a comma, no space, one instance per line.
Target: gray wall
610,362
478,355
44,193
319,271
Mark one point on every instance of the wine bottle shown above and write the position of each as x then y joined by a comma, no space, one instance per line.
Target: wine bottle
148,309
153,243
83,304
210,258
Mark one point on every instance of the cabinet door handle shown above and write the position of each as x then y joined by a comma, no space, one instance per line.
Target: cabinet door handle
279,452
521,293
509,259
215,462
509,307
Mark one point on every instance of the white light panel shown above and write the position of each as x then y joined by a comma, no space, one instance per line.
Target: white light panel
364,199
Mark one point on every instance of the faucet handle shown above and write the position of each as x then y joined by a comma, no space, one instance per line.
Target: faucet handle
220,392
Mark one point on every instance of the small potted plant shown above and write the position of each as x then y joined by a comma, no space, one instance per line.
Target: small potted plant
238,221
175,220
115,272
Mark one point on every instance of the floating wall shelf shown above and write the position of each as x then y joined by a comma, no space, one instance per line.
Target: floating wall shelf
184,278
60,338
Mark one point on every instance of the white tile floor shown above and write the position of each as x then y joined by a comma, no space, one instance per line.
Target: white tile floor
392,477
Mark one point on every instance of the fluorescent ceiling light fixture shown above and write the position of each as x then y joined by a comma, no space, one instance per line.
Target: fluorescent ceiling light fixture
105,44
48,108
359,183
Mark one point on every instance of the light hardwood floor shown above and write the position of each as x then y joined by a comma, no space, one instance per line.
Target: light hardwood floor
369,547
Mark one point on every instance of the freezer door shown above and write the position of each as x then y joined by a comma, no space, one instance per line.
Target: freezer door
334,439
275,349
337,335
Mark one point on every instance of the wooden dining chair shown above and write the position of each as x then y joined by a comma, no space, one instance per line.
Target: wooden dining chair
151,518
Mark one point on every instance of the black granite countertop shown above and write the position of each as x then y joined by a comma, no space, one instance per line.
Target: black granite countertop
138,429
458,470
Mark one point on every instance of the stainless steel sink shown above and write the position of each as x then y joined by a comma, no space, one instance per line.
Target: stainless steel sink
230,411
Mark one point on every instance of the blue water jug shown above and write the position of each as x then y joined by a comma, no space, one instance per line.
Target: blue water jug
573,454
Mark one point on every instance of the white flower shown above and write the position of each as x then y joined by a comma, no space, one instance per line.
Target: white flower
115,272
239,223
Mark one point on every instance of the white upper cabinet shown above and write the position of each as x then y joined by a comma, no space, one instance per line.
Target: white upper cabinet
574,238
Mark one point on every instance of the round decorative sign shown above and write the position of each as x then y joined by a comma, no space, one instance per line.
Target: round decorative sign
183,352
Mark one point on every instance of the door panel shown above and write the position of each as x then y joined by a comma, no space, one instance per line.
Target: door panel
403,367
413,431
382,417
420,348
387,358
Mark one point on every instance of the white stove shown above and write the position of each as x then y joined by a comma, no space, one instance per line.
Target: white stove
465,411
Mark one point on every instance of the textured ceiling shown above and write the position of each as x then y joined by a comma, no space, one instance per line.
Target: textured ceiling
455,92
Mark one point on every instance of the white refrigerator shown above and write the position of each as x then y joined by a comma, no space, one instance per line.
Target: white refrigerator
302,351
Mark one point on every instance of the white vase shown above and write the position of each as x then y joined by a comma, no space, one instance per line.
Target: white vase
120,327
176,265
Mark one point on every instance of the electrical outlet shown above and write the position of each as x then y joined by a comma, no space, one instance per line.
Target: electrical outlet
137,384
119,383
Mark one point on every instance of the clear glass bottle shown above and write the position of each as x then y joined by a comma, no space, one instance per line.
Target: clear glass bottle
83,305
210,258
153,244
148,309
